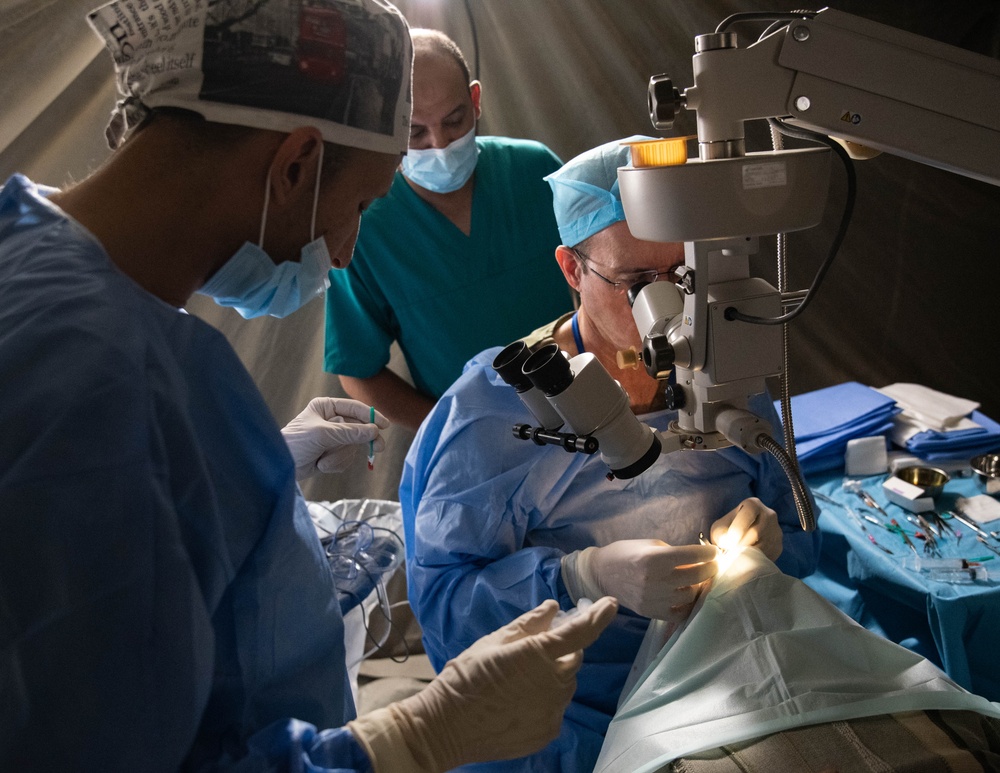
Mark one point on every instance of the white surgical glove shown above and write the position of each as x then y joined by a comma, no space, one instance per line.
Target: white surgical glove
648,576
750,523
502,698
330,432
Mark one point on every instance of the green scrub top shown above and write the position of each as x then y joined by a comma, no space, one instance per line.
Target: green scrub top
444,296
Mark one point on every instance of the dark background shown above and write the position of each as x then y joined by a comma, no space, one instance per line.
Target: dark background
911,297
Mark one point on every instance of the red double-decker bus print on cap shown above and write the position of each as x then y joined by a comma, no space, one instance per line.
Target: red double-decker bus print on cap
322,47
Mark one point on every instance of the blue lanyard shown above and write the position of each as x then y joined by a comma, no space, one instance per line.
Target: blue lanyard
575,324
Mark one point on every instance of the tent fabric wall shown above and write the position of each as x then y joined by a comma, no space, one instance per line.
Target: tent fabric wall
910,298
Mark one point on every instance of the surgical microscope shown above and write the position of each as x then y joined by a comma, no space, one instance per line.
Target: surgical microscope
855,86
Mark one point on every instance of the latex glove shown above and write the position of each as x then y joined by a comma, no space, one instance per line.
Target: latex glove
750,523
502,698
330,432
648,576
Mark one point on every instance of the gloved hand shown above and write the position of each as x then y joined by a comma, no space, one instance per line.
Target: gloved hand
648,576
750,523
502,698
328,434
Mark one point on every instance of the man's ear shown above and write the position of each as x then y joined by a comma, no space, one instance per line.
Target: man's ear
569,265
295,166
476,93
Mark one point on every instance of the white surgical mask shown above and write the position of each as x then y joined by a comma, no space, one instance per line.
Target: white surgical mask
254,285
443,170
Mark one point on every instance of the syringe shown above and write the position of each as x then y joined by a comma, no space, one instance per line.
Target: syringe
958,571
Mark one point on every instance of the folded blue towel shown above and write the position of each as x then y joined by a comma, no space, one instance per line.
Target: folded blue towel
831,455
826,419
831,410
932,445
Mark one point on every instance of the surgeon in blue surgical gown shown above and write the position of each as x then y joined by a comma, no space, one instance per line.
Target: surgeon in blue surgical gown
165,602
495,525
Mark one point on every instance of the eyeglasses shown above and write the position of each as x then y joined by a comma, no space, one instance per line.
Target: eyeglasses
622,285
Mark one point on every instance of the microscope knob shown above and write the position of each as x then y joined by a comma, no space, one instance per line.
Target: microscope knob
658,356
664,102
685,279
674,397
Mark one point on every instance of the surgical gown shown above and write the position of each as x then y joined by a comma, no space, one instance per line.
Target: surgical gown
488,518
164,600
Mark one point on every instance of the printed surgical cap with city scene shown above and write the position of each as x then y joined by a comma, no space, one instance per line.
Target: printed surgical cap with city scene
342,66
585,193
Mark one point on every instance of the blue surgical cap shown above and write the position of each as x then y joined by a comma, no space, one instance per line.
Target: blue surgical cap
585,193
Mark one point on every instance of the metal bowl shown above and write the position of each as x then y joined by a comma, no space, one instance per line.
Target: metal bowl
930,479
987,469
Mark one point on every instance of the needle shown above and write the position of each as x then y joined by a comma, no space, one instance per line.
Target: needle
880,547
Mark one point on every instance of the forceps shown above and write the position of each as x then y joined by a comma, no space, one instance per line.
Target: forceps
894,526
930,543
942,524
855,487
850,511
970,523
987,545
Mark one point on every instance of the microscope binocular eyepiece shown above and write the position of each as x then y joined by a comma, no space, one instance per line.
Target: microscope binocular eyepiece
580,394
633,292
549,370
509,365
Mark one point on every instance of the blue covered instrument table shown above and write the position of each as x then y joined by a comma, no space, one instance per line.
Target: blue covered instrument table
954,625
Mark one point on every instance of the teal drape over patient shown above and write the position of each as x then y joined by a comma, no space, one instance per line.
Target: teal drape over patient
763,653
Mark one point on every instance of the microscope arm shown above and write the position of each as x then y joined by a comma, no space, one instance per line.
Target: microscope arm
856,80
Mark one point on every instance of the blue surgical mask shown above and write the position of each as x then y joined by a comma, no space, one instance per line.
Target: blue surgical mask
254,285
443,170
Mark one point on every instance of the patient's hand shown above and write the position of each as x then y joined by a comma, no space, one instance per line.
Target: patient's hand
751,523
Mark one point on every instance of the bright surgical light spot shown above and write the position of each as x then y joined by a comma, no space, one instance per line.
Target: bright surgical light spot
728,541
725,558
728,549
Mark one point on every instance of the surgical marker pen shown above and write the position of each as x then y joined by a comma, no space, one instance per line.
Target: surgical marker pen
371,443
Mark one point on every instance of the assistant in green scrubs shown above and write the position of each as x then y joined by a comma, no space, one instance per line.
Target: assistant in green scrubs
444,295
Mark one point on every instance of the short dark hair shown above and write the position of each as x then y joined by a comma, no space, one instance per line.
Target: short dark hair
206,135
437,41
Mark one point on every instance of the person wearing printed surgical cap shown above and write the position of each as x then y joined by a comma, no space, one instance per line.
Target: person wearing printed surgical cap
165,602
496,525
